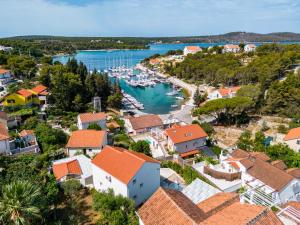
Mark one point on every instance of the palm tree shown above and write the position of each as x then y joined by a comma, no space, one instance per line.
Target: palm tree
18,203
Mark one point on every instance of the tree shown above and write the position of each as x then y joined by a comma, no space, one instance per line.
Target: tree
22,66
19,203
141,146
115,101
198,98
71,187
94,126
245,141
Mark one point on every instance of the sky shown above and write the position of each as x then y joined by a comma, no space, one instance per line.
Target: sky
149,18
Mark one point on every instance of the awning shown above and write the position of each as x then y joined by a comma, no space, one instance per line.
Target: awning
186,154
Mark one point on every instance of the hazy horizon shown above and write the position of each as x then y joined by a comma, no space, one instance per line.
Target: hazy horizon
143,18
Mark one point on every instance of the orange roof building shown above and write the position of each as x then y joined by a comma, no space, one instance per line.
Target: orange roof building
227,92
191,50
142,124
168,206
292,139
4,139
76,167
85,119
88,142
131,174
39,89
187,138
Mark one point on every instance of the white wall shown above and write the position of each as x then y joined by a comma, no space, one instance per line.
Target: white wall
102,182
149,177
91,152
84,126
4,146
214,95
289,192
186,146
294,145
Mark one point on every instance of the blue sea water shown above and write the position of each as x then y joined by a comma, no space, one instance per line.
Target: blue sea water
154,98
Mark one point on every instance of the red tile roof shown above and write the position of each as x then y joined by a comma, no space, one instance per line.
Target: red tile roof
230,46
92,117
121,163
3,132
292,134
3,71
170,207
39,88
86,139
295,172
145,121
234,165
189,153
24,133
226,91
279,164
25,93
193,48
270,175
66,168
179,134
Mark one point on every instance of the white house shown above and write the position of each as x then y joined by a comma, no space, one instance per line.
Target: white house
85,119
292,139
77,167
185,140
143,124
231,48
4,139
5,77
88,142
191,50
5,48
249,47
130,174
270,177
227,92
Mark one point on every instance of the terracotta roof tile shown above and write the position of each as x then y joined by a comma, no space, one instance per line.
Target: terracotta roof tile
218,201
185,133
293,204
92,117
24,133
292,134
295,172
121,163
234,165
193,48
25,93
3,132
170,207
63,169
247,163
39,88
260,155
226,91
3,71
239,153
145,121
231,46
266,173
189,153
86,139
3,115
279,164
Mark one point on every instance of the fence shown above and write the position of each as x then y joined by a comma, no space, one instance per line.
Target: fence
222,175
29,149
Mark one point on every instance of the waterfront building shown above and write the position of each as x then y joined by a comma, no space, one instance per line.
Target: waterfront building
128,173
231,48
167,206
85,119
249,47
187,140
78,167
143,124
88,142
292,139
227,92
5,77
4,139
262,177
191,50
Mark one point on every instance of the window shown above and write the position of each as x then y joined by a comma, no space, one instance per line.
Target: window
134,181
108,178
134,196
90,150
10,101
298,142
141,185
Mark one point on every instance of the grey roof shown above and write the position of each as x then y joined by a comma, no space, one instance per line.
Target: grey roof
198,191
